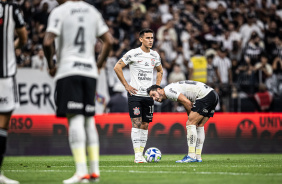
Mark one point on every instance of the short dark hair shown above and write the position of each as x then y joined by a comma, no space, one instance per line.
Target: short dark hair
143,31
153,88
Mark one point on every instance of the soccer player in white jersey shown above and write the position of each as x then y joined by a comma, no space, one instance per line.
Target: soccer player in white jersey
11,20
74,26
142,62
200,101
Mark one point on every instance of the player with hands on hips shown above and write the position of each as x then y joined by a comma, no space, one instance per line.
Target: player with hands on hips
142,62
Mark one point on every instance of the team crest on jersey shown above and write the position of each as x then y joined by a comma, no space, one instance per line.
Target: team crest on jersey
136,111
153,62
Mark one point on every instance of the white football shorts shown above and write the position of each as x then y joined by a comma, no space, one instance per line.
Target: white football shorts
9,96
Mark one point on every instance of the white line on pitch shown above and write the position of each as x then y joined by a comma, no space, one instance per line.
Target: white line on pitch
161,172
205,173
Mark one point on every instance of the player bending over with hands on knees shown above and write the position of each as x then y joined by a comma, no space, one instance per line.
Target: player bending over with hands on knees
200,101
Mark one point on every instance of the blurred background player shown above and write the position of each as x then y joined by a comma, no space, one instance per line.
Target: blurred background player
142,62
9,99
75,25
200,101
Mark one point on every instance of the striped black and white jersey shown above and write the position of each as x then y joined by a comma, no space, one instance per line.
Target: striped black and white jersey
11,18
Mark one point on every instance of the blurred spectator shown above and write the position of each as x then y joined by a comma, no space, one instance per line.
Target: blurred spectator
176,74
124,47
39,61
51,4
253,50
211,72
167,43
277,76
41,18
248,28
118,103
111,76
263,98
125,19
111,9
166,32
223,67
263,69
200,66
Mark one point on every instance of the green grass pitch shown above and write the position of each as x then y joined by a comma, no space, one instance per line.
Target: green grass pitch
115,169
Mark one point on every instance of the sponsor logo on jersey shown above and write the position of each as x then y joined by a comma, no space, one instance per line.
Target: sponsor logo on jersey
126,57
137,54
82,66
136,111
80,10
142,89
143,75
205,111
171,90
153,62
3,100
74,105
90,108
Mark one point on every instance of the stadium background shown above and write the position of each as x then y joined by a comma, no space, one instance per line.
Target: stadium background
185,30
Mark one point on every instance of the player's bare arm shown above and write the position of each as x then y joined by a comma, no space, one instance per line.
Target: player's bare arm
107,46
49,51
118,69
185,102
159,74
22,37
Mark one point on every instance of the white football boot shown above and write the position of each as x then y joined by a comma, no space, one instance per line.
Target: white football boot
140,159
77,179
5,180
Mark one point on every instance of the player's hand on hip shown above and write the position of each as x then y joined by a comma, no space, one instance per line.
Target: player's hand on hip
131,90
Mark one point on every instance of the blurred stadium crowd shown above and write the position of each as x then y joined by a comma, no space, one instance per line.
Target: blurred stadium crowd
234,46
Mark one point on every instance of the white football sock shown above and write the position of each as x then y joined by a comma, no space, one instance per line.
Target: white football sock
143,138
92,144
200,141
191,139
135,137
77,141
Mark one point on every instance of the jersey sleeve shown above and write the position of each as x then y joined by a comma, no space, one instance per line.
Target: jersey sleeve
158,60
126,58
55,22
171,93
18,17
101,27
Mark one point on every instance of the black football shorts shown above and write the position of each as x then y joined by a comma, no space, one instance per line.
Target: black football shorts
141,107
75,95
206,106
